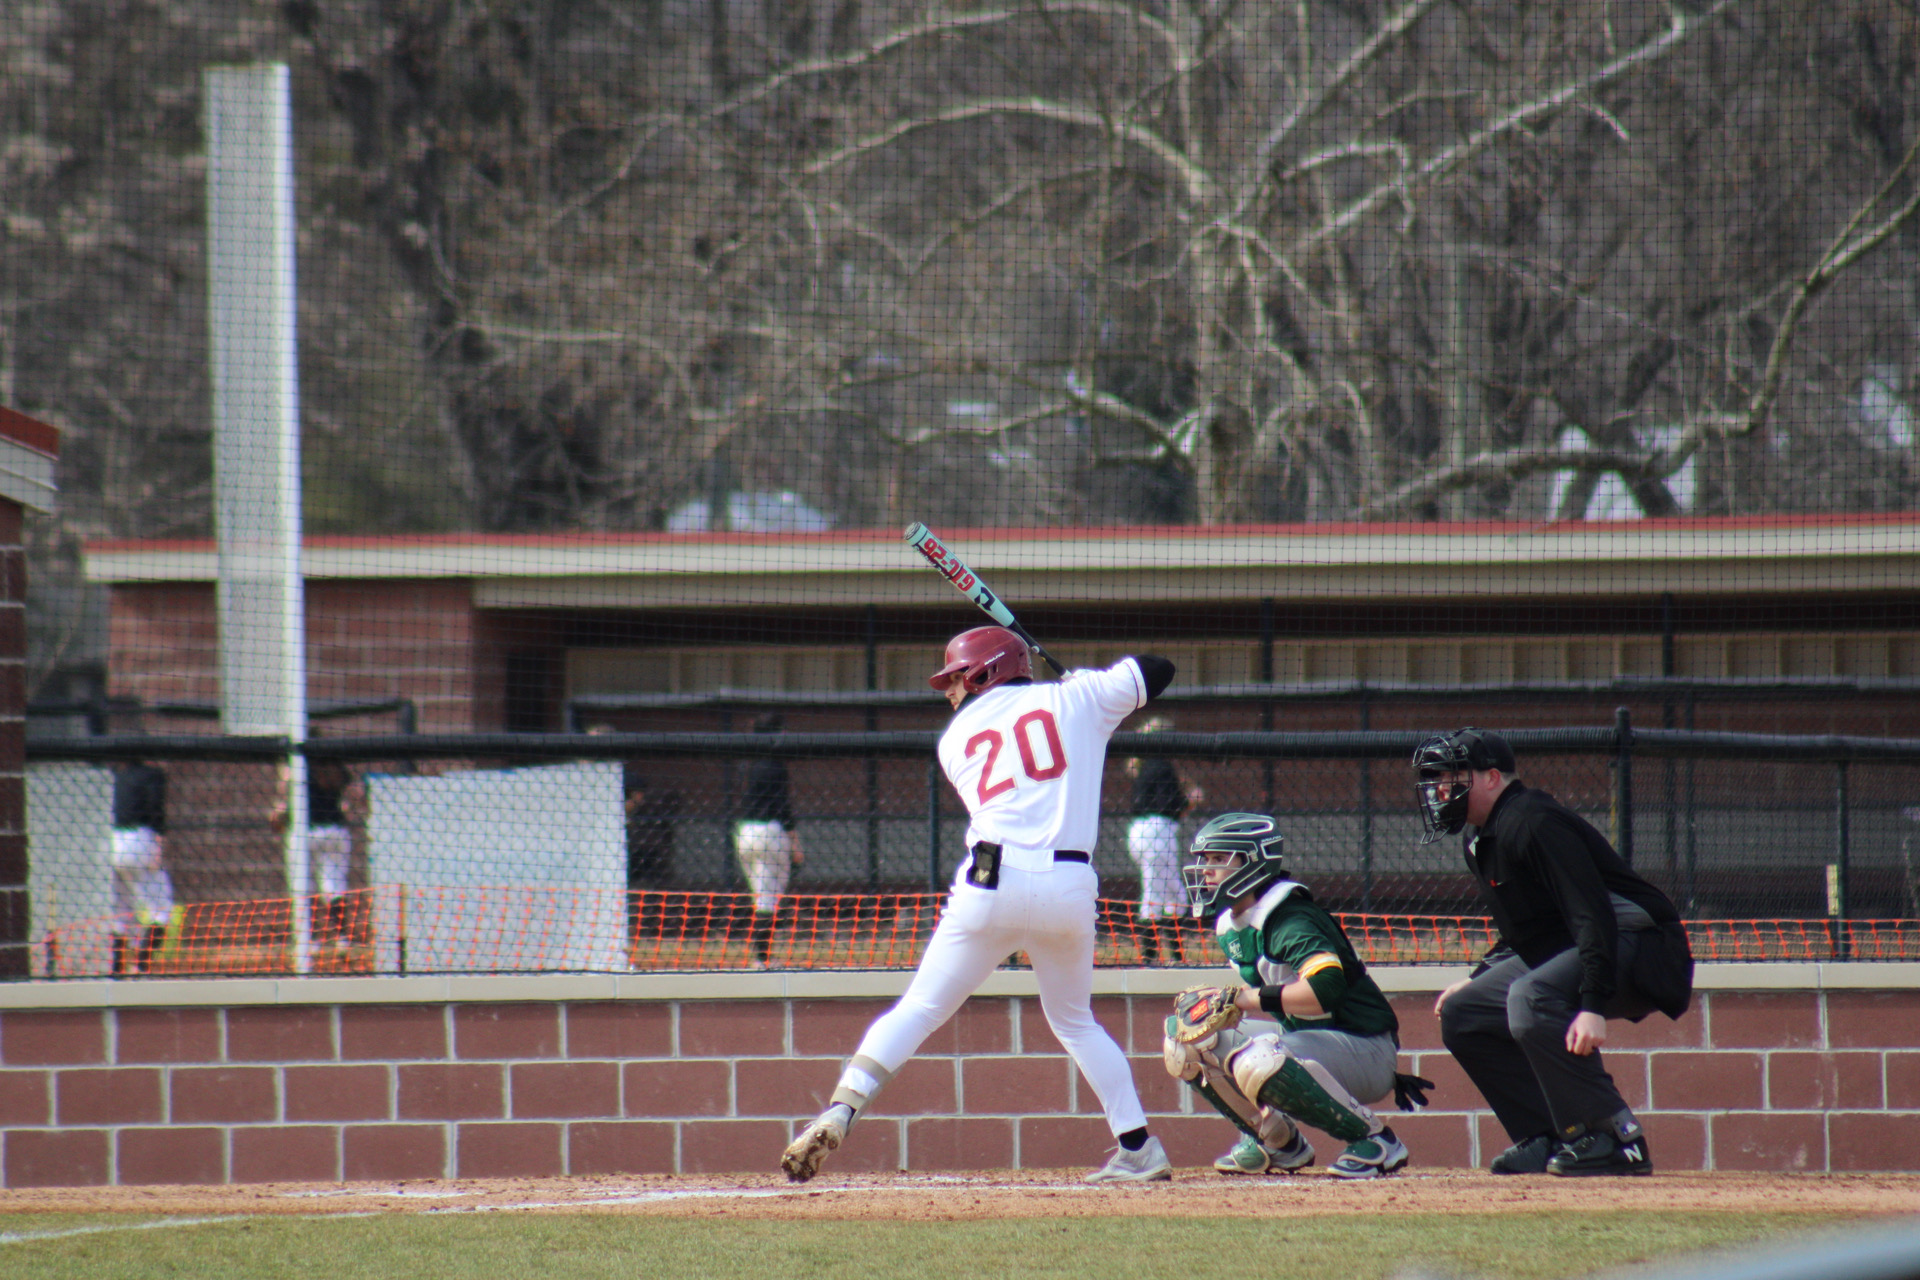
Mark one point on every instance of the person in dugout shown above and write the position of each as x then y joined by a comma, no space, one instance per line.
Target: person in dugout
1160,797
142,887
329,845
1581,939
1337,1043
766,842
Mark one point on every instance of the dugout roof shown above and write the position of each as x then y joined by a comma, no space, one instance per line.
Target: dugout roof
1691,557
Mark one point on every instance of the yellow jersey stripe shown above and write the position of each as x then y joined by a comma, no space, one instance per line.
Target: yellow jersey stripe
1316,963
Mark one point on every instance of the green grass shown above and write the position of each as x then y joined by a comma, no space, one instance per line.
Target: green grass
508,1246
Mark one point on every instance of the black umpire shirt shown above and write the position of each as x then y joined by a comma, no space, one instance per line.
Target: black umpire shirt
1547,877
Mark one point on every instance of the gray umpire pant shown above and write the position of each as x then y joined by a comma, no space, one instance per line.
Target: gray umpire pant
1508,1031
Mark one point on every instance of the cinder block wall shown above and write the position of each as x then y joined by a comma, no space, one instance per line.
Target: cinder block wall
1778,1067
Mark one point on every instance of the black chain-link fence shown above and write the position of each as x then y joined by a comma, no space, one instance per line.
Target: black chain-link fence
547,851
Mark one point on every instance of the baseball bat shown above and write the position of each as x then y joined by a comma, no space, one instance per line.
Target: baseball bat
951,567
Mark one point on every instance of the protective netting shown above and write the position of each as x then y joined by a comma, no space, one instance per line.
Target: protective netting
846,264
513,929
648,851
507,386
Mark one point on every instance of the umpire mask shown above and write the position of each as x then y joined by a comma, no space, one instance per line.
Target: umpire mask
1443,768
1249,844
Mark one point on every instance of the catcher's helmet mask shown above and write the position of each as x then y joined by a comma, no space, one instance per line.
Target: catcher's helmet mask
1253,849
1437,765
984,658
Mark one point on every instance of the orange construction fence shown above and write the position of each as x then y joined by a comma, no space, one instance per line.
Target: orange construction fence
520,929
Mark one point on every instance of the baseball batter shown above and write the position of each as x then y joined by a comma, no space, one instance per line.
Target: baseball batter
1027,760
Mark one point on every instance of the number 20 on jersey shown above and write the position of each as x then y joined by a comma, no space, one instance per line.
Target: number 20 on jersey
1034,724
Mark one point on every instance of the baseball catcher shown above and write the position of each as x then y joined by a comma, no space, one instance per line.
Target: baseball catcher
1335,1048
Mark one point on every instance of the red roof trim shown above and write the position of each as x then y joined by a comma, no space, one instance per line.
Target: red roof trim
29,432
962,536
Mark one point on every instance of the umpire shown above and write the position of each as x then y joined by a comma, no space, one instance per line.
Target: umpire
1581,939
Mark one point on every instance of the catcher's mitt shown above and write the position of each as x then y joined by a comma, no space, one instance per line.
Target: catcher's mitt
1200,1011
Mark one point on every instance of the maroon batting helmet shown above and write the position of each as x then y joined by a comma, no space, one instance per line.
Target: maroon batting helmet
984,657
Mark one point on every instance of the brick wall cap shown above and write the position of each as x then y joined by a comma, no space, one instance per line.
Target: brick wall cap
538,987
809,985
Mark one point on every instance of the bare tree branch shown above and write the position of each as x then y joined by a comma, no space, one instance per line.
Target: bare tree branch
1682,26
1254,175
1197,180
946,25
1507,464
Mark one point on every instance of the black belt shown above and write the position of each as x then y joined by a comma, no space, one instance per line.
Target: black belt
1059,855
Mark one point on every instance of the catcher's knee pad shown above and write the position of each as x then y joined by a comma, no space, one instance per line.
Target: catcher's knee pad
1253,1062
1183,1060
1228,1041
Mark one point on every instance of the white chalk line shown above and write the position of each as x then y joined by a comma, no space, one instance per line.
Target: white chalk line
25,1237
22,1237
667,1195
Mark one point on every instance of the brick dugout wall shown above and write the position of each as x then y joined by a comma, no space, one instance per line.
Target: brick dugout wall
1778,1067
403,639
28,452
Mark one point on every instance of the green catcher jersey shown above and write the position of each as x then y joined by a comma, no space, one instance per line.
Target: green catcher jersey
1284,936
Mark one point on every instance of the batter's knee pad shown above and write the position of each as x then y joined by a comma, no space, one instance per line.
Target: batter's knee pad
1265,1071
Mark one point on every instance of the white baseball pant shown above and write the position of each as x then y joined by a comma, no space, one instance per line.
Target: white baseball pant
764,851
1153,843
1049,915
142,889
329,848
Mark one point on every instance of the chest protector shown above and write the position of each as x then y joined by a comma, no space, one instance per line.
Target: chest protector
1243,935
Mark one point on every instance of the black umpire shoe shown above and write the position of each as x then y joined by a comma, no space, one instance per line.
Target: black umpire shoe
1528,1156
1598,1153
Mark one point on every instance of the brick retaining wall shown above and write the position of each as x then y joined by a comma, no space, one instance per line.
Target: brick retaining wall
1778,1067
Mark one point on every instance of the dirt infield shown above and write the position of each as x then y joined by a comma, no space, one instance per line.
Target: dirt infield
1037,1193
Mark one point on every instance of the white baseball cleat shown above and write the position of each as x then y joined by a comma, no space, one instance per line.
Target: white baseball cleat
1148,1164
803,1156
1373,1157
1249,1155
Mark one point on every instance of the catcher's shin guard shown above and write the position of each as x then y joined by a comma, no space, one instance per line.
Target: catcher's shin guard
1245,1123
1304,1090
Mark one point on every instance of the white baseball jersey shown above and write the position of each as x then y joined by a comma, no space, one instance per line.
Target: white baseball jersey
1027,760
